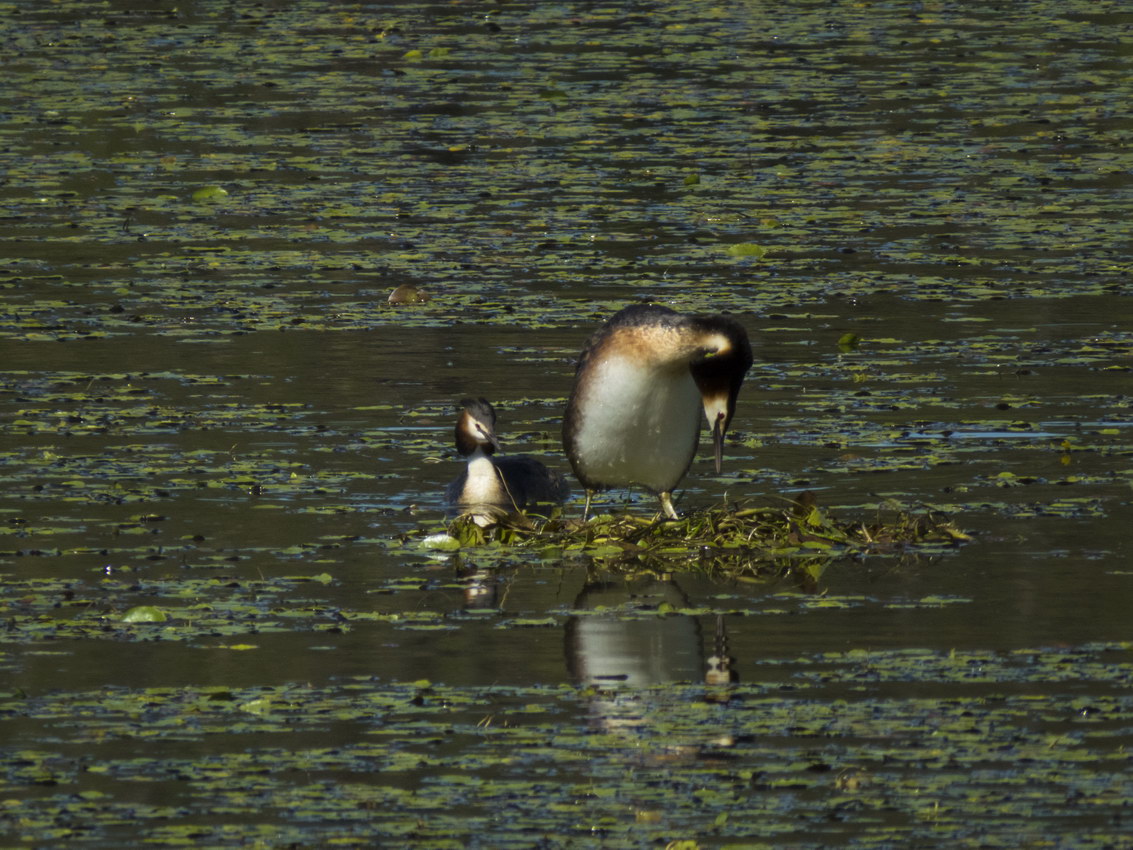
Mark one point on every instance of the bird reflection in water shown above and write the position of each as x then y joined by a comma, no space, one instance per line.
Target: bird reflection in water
481,587
720,667
626,649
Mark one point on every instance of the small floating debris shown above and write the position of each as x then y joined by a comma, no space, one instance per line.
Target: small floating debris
407,293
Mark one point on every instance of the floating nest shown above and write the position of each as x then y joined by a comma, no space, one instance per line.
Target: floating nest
735,539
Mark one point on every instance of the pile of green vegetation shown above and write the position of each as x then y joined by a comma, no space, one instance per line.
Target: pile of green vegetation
733,539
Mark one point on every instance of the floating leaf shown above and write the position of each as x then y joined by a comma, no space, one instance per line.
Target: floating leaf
441,542
144,614
210,194
746,249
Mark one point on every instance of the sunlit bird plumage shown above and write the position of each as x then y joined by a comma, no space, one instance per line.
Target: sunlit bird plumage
642,380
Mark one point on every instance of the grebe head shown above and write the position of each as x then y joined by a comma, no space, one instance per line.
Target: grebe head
476,427
719,373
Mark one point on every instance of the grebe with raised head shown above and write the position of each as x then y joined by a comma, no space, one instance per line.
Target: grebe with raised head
491,486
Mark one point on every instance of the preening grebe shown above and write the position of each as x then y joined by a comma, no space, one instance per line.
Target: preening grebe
634,414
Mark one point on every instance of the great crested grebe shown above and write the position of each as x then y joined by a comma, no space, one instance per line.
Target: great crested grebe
489,486
634,413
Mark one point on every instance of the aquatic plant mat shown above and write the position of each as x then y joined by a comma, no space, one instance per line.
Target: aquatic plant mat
733,540
898,748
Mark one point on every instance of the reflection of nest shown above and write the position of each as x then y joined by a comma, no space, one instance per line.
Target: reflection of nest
735,538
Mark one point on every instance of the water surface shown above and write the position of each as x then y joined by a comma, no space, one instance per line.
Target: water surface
207,405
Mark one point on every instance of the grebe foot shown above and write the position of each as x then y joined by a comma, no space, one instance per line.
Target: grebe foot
586,507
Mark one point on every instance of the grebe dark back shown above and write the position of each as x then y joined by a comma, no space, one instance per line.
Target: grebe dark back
634,413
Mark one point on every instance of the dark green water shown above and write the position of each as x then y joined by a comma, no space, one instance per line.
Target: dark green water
207,405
